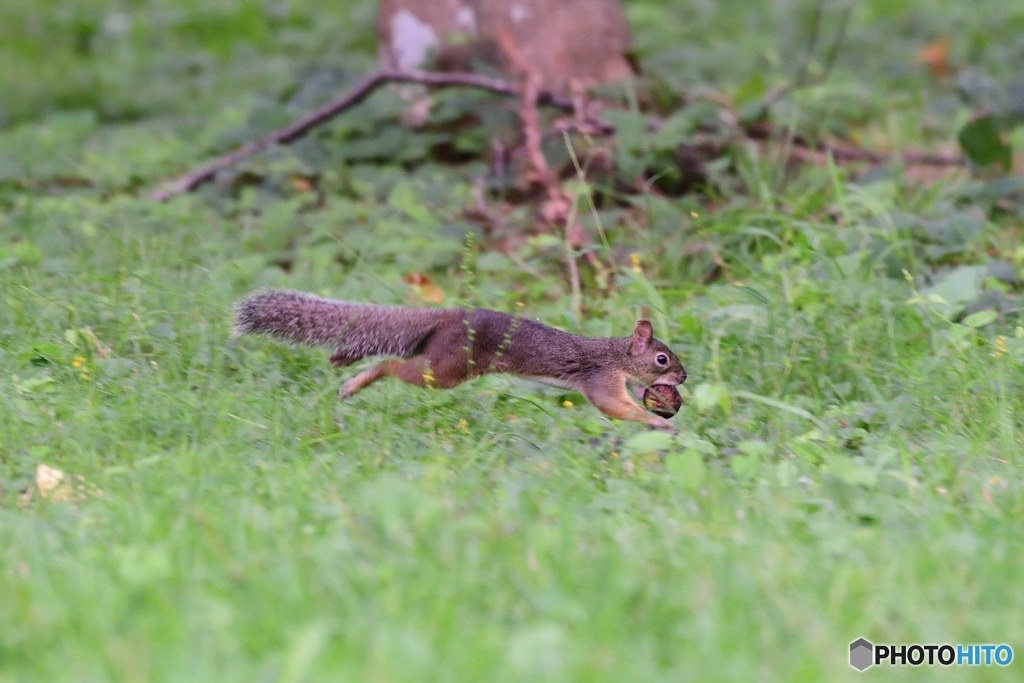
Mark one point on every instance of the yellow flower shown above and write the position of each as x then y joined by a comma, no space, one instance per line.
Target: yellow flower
78,361
85,376
634,260
567,404
463,426
1000,346
694,214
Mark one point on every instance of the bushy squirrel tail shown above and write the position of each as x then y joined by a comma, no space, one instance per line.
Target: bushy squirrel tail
355,331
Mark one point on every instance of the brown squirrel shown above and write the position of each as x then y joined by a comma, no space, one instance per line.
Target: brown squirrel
444,347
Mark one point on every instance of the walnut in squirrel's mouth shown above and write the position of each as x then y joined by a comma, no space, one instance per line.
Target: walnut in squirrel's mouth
662,399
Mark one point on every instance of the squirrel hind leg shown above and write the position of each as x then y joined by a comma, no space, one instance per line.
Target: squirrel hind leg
365,379
416,371
420,372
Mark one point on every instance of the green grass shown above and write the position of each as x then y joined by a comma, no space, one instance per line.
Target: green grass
850,457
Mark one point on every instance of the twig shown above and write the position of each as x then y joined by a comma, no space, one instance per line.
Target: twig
911,157
532,88
559,208
357,94
805,149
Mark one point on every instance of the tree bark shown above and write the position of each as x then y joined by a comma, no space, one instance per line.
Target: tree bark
566,41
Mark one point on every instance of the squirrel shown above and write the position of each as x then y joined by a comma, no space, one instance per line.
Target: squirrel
444,347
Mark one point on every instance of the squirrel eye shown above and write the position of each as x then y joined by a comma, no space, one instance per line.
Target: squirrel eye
662,359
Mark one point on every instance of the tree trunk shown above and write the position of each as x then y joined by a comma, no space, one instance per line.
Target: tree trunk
565,41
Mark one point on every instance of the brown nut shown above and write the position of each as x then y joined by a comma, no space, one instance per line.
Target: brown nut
663,400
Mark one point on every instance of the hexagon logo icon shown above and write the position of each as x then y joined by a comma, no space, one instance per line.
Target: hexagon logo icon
861,651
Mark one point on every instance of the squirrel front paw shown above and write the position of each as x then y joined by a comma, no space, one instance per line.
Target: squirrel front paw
663,425
347,389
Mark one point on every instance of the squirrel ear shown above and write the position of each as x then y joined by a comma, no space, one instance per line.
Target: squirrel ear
642,335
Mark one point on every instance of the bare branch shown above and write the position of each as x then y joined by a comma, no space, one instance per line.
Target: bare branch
806,149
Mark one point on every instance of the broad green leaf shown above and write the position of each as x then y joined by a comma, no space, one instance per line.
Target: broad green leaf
983,144
980,318
851,470
49,351
961,286
751,90
780,405
744,466
493,262
708,395
647,442
761,298
754,448
34,385
544,241
687,468
692,442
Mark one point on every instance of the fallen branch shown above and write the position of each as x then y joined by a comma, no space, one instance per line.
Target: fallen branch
910,157
366,86
354,96
847,153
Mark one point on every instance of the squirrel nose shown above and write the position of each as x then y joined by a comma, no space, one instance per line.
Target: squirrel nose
673,378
